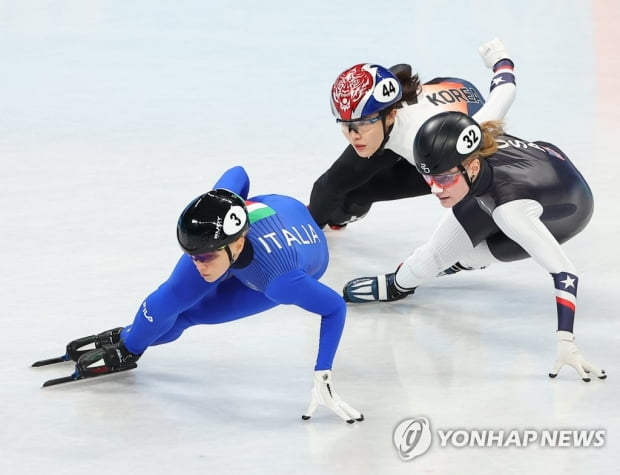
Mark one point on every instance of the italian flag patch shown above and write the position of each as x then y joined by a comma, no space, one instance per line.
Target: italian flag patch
258,211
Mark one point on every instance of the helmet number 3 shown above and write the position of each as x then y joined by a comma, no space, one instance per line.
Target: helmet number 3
234,220
468,140
385,90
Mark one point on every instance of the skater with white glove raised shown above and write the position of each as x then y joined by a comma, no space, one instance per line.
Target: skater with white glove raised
379,110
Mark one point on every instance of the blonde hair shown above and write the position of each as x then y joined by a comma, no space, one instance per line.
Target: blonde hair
490,131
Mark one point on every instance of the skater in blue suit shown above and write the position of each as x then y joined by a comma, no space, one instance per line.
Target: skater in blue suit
241,257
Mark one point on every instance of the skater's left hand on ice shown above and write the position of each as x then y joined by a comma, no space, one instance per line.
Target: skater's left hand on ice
569,354
323,394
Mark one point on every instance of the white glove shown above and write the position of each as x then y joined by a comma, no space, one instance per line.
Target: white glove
569,354
323,393
492,52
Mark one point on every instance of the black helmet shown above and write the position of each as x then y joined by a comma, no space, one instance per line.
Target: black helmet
444,141
212,221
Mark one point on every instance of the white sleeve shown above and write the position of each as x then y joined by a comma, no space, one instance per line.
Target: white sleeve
500,99
520,221
446,246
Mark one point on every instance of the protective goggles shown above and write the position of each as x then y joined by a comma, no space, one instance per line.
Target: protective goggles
359,126
206,257
443,181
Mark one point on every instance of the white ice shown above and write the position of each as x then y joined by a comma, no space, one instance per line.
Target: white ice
115,114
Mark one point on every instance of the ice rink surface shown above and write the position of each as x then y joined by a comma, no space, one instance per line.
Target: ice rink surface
115,114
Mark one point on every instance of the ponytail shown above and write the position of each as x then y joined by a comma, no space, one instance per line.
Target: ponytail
408,81
490,131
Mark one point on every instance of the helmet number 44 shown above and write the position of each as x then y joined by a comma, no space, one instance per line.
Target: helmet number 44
386,89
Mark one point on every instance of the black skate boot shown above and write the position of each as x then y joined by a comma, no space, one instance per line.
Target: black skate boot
106,359
77,348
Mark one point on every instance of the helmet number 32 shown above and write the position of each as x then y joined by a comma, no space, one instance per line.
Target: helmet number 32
386,89
468,140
